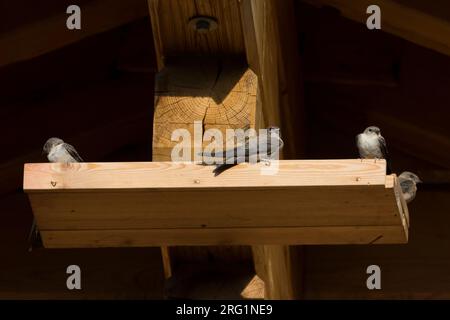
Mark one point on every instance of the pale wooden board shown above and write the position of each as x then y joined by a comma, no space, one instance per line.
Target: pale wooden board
270,207
171,195
188,175
224,236
163,197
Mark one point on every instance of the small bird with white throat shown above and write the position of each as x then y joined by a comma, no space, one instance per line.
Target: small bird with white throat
59,151
372,145
408,182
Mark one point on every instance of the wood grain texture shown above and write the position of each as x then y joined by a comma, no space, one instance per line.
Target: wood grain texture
216,93
187,175
219,94
176,38
302,206
212,281
169,198
401,19
153,6
272,52
40,37
224,236
254,289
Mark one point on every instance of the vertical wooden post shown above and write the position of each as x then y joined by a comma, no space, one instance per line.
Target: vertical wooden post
175,37
265,31
272,52
154,18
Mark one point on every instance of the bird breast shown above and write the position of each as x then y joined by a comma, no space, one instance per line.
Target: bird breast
59,154
369,146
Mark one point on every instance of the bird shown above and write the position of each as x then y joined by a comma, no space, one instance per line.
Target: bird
231,158
408,182
372,145
59,151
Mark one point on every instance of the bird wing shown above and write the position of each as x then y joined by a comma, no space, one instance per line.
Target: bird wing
358,143
357,139
272,149
383,147
224,152
73,153
407,185
385,153
234,153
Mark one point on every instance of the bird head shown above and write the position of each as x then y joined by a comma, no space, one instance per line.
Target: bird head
410,176
372,130
51,143
274,129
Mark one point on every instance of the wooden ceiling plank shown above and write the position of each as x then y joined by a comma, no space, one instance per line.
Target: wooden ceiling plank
400,19
44,36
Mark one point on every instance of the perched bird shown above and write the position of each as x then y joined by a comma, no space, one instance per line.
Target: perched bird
372,145
408,182
232,158
59,151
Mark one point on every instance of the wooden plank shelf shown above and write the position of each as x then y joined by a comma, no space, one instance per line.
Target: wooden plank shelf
179,203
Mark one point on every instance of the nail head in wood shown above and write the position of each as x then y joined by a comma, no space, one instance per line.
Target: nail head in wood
203,24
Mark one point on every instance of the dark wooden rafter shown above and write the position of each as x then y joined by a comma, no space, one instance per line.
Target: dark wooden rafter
425,23
50,33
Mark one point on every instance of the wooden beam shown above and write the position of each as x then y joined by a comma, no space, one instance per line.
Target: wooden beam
272,52
174,37
226,236
43,36
125,202
153,7
118,176
401,19
218,94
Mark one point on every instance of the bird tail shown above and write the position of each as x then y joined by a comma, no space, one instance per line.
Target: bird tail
33,236
222,167
389,166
